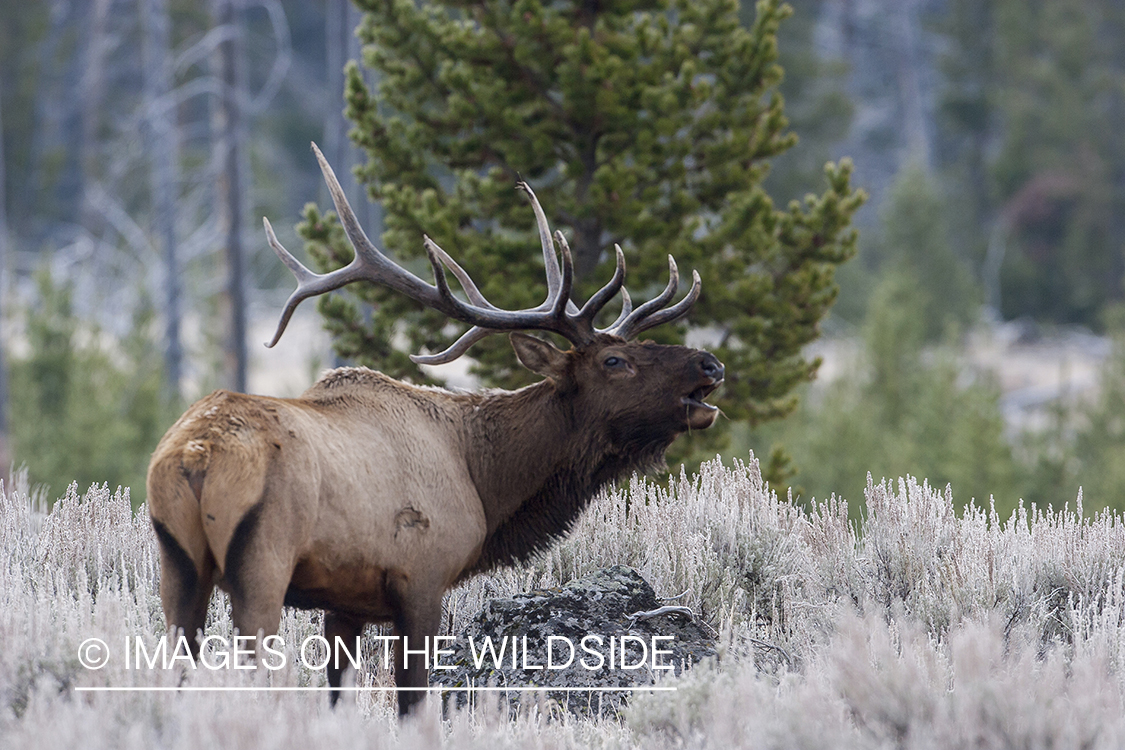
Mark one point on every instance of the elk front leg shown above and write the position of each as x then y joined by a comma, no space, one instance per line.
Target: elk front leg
348,630
416,623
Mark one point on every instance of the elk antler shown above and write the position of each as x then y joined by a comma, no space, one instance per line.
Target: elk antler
557,313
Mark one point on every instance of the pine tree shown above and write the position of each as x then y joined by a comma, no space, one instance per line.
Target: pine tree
649,123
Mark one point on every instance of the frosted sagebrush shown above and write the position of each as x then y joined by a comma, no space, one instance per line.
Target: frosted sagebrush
928,626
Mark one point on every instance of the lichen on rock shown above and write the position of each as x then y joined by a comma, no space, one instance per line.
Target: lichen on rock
581,635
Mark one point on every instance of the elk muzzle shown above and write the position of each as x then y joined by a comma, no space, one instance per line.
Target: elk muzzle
700,414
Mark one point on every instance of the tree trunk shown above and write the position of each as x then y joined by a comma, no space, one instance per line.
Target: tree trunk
162,145
230,145
915,120
336,33
341,43
5,450
93,103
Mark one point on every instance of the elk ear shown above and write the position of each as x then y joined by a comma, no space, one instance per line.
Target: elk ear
539,356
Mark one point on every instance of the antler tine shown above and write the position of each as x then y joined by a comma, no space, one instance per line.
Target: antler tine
298,268
462,311
304,278
368,264
360,243
459,347
635,324
595,304
626,308
649,315
562,303
309,284
491,317
659,300
550,260
375,266
467,284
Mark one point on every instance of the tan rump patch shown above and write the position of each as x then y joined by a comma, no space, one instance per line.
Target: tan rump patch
193,464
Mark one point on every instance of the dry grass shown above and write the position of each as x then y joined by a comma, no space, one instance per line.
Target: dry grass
930,629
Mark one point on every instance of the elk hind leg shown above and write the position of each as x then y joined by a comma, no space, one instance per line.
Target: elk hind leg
256,575
185,587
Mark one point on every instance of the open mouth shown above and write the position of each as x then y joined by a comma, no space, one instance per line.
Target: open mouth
695,398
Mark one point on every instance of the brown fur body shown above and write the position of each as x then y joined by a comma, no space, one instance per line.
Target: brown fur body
369,497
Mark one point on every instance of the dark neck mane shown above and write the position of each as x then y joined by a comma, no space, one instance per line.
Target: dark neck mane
542,473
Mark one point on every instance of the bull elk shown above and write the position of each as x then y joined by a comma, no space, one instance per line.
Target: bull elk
369,497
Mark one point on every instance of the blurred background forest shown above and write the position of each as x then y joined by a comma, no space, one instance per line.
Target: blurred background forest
979,335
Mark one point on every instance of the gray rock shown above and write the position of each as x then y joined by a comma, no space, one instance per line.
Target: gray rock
591,616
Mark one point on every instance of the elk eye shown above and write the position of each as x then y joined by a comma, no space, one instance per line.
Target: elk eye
613,361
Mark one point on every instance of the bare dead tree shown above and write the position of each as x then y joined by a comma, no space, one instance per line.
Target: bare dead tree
93,91
164,172
336,33
341,45
5,451
230,145
915,119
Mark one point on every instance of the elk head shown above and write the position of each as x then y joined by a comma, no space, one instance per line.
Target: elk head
616,380
605,368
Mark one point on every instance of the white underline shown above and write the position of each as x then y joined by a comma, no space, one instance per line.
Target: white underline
298,689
